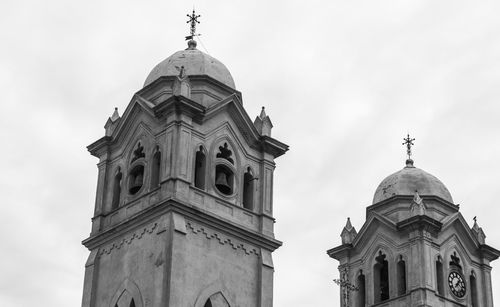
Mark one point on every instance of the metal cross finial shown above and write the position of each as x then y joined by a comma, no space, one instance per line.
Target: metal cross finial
193,19
346,287
409,143
475,219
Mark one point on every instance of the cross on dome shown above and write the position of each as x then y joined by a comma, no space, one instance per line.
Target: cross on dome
409,143
193,19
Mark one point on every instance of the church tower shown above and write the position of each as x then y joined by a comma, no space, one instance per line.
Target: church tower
414,249
184,211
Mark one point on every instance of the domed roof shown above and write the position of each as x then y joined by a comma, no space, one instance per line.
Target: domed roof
195,62
407,181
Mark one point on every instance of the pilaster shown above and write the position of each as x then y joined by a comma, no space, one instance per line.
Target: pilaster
488,292
89,281
266,279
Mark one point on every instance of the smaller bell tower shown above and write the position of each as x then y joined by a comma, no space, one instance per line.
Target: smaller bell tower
414,249
184,209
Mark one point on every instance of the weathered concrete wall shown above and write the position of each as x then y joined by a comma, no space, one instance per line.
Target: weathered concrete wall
139,257
203,257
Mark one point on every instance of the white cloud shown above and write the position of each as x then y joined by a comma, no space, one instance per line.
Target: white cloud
342,81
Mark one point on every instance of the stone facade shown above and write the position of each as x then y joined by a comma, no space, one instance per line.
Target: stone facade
183,212
415,249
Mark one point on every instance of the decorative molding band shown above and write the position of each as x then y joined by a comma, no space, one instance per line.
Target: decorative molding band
235,244
119,244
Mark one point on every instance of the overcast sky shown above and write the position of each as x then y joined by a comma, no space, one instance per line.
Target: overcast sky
343,82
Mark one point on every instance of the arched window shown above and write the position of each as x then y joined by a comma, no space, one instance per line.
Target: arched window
439,275
199,169
208,303
132,303
473,290
155,169
248,189
117,183
381,278
361,296
401,276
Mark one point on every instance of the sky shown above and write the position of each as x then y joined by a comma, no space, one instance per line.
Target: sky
343,82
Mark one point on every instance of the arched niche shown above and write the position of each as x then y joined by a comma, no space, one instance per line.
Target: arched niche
200,167
361,293
474,298
116,191
156,167
248,188
401,275
381,280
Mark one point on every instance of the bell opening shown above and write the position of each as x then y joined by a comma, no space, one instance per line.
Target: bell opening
136,179
224,179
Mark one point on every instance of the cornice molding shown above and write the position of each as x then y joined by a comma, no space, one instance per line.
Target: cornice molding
150,88
340,252
190,212
106,250
420,221
489,252
409,198
223,240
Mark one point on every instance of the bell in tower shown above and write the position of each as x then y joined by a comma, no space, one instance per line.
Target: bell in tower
180,218
221,183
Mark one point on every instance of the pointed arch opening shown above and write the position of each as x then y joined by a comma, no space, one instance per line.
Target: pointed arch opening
381,278
156,169
248,189
200,168
361,294
127,295
117,187
217,300
216,295
401,276
439,276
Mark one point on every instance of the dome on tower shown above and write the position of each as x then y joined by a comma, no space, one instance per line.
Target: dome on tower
407,181
195,62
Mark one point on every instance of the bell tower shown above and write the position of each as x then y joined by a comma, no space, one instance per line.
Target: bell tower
414,249
184,211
